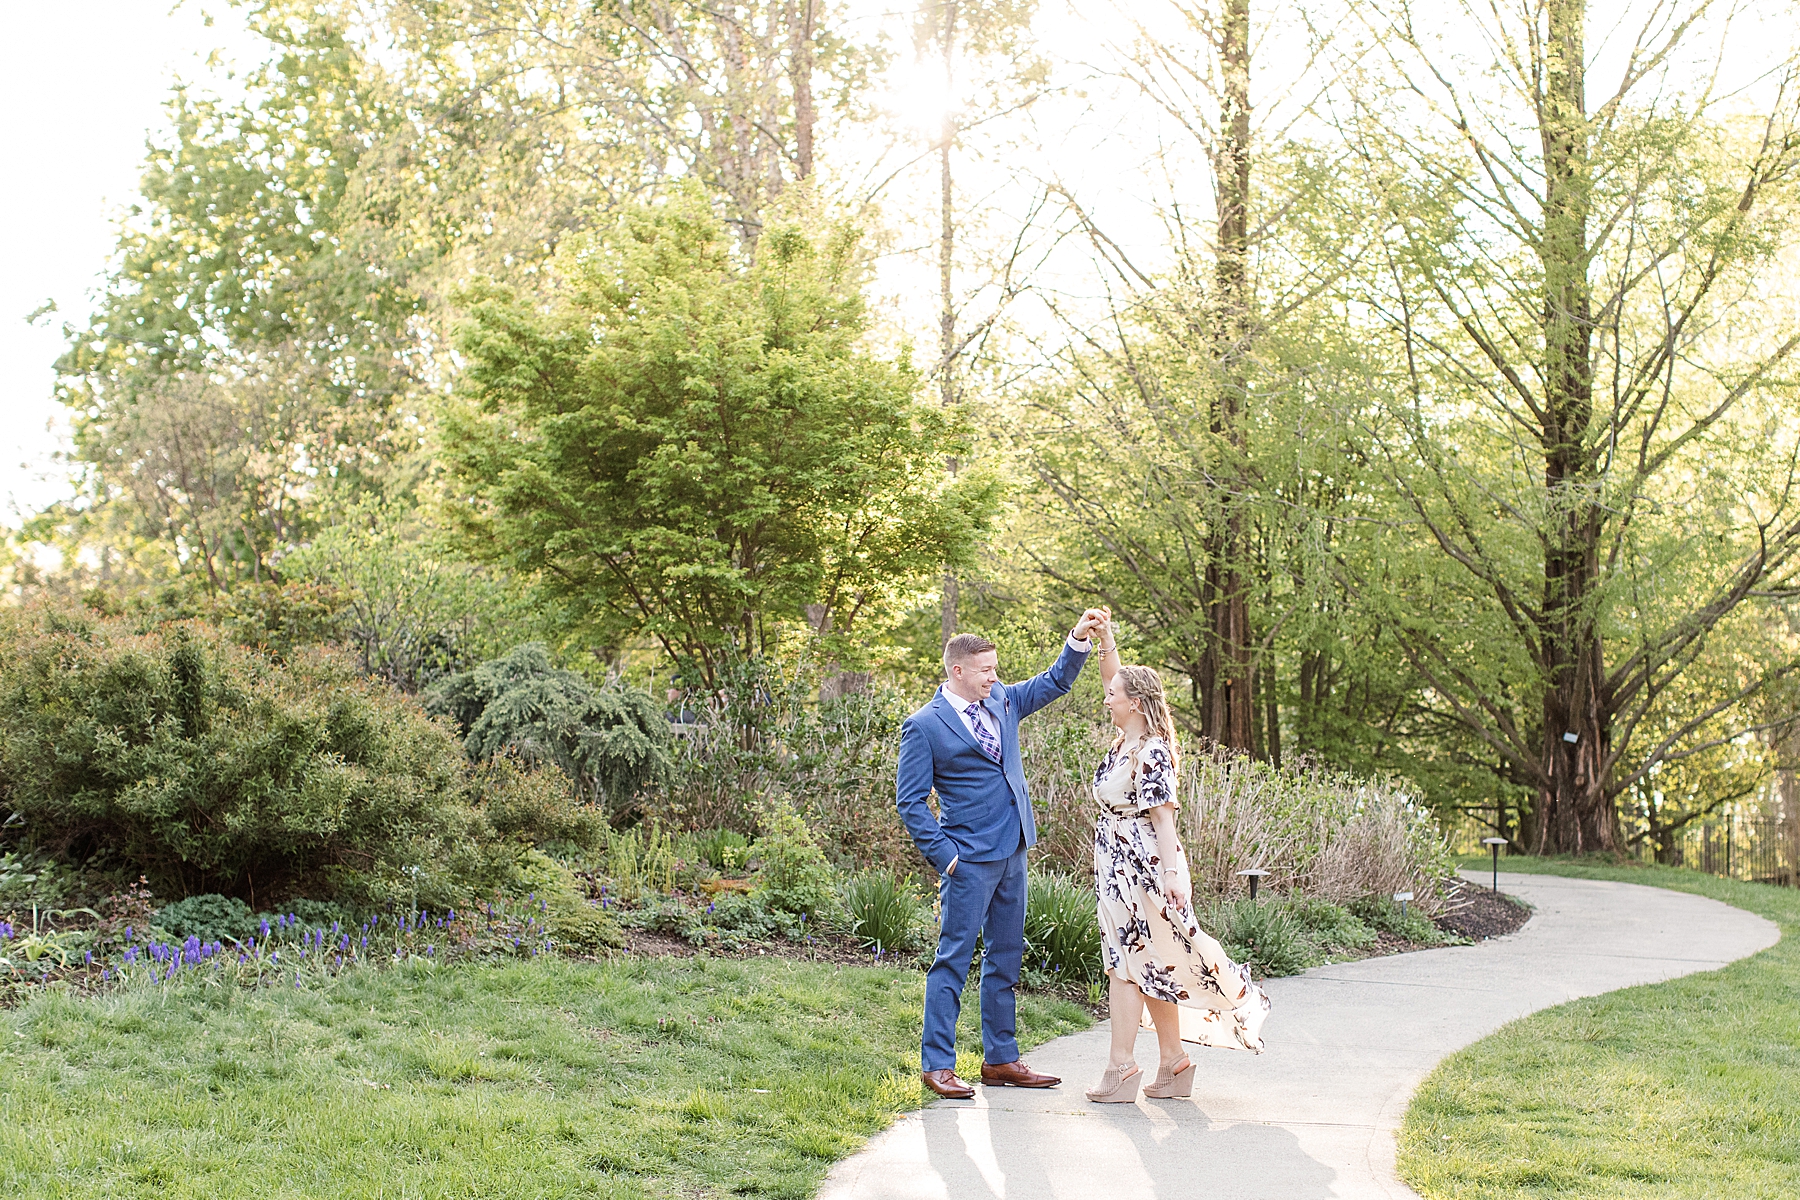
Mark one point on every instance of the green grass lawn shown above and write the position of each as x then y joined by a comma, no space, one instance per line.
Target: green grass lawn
547,1078
1689,1088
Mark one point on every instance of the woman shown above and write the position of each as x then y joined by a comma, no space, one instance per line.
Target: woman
1155,954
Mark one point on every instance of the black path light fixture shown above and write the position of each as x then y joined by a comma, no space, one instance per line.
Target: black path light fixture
1403,897
1255,876
1494,844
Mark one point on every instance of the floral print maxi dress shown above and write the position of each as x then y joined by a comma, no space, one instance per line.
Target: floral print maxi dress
1146,942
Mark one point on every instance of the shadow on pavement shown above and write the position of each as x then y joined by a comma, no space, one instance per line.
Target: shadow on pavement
1166,1152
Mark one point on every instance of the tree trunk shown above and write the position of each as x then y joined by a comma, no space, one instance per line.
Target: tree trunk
1574,812
946,258
802,18
1227,683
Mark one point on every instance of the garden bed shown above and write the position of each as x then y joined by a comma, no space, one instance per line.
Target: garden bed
1476,913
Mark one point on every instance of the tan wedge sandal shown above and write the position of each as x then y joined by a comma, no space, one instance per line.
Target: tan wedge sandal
1173,1085
1117,1086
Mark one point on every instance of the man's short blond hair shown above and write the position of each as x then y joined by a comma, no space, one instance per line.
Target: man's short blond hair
962,648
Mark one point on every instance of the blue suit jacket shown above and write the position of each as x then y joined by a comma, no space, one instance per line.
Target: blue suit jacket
983,808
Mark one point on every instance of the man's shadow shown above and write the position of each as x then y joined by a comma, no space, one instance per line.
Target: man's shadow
1170,1153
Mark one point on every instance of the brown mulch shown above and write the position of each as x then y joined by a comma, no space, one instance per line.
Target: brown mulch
1478,914
1474,913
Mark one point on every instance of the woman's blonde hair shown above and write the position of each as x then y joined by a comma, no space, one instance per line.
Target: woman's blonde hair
1145,686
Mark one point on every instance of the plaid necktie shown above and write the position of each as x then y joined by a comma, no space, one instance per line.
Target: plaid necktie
981,732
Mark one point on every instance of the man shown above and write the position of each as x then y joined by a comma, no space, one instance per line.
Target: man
965,746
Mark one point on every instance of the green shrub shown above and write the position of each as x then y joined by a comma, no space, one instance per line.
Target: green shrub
883,912
1383,913
744,915
575,922
795,877
321,914
1261,934
611,741
27,878
1332,928
669,916
1062,929
723,849
209,917
536,807
211,768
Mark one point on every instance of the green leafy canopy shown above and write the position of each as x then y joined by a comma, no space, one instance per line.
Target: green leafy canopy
695,448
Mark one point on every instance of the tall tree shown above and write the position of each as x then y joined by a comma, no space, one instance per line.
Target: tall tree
1227,683
1593,426
696,450
255,340
621,98
1202,523
964,38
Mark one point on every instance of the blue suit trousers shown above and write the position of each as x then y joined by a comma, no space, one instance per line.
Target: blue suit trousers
985,898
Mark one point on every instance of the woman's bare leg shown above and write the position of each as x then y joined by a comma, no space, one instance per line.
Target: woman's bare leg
1168,1030
1127,1006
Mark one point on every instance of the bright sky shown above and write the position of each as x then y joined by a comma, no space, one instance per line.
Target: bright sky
85,81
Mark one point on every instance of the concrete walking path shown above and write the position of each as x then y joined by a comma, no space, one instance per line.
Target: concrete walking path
1315,1115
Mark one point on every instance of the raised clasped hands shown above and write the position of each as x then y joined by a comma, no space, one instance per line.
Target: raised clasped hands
1093,621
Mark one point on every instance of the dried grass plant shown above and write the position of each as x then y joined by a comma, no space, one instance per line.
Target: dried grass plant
1318,832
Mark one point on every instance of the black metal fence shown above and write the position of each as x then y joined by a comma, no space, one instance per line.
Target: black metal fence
1761,849
1756,848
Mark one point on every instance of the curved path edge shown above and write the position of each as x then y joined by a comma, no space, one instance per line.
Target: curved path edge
1316,1115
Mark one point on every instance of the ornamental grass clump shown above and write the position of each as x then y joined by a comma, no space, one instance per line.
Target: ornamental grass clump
1317,832
1262,935
883,912
1062,930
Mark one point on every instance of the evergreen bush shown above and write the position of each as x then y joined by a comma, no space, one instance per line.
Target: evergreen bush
211,768
612,741
535,806
575,922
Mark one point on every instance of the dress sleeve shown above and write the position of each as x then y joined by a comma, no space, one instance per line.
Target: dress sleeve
1156,776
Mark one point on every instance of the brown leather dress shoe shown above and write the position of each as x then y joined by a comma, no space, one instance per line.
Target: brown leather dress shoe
1015,1074
947,1085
